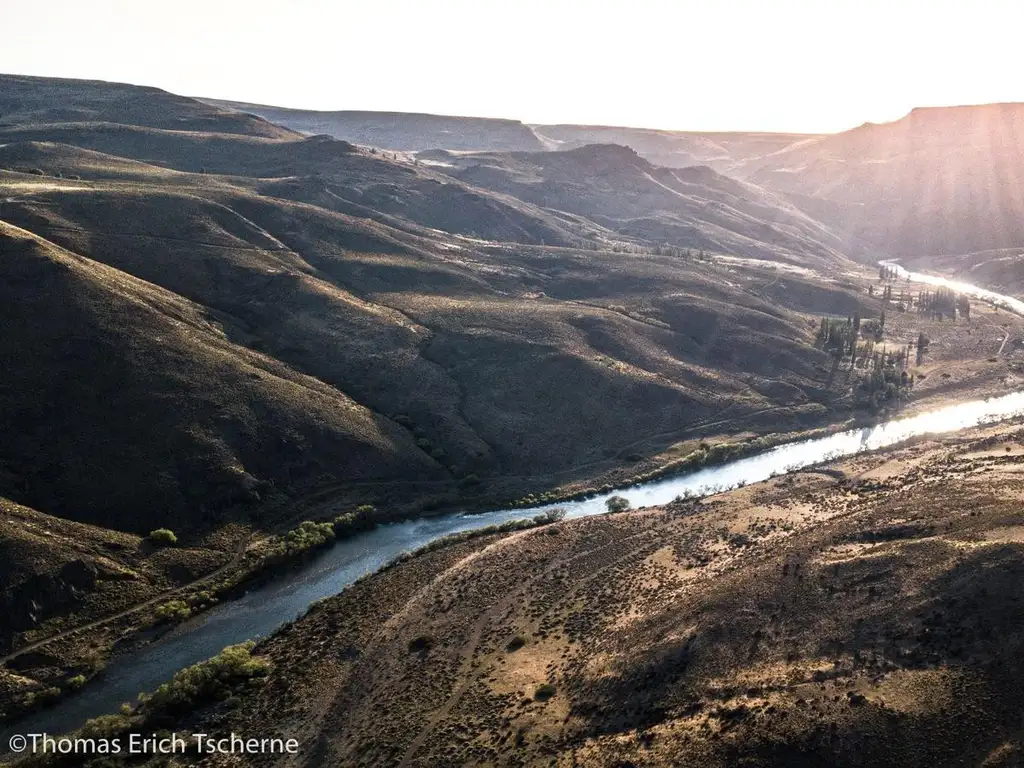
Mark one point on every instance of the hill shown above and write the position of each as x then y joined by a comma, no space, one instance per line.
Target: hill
121,396
218,326
693,207
864,614
941,180
47,100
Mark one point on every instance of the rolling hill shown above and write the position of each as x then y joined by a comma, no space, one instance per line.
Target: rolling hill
691,207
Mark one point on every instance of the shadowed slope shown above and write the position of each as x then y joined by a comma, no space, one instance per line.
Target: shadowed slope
120,398
691,207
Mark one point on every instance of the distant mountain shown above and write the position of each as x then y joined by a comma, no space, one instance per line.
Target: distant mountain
941,180
407,131
728,152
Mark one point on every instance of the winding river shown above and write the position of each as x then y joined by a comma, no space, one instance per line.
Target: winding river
263,609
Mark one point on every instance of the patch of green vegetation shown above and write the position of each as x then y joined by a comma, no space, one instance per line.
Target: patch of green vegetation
42,698
163,537
362,518
308,535
544,692
172,611
210,680
617,504
76,682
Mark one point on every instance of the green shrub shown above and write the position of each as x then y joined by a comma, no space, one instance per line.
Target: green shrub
207,681
362,518
76,682
41,698
163,537
544,692
550,516
307,536
173,610
617,504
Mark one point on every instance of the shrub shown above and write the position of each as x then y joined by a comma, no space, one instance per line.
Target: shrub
362,518
544,692
550,516
173,610
210,680
421,644
76,682
515,643
307,536
163,537
617,504
41,698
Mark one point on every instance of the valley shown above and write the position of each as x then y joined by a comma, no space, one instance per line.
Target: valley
253,355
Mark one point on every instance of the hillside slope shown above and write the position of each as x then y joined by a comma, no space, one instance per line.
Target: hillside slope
120,396
46,100
942,180
690,207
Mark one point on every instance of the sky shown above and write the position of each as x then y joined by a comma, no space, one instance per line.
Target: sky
772,65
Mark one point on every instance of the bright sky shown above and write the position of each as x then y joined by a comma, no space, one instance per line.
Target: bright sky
781,65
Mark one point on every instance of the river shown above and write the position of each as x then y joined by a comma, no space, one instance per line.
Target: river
262,610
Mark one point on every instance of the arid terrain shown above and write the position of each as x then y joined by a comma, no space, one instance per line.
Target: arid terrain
232,334
866,613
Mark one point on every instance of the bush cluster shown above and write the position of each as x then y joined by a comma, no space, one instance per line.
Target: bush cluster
210,680
163,537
